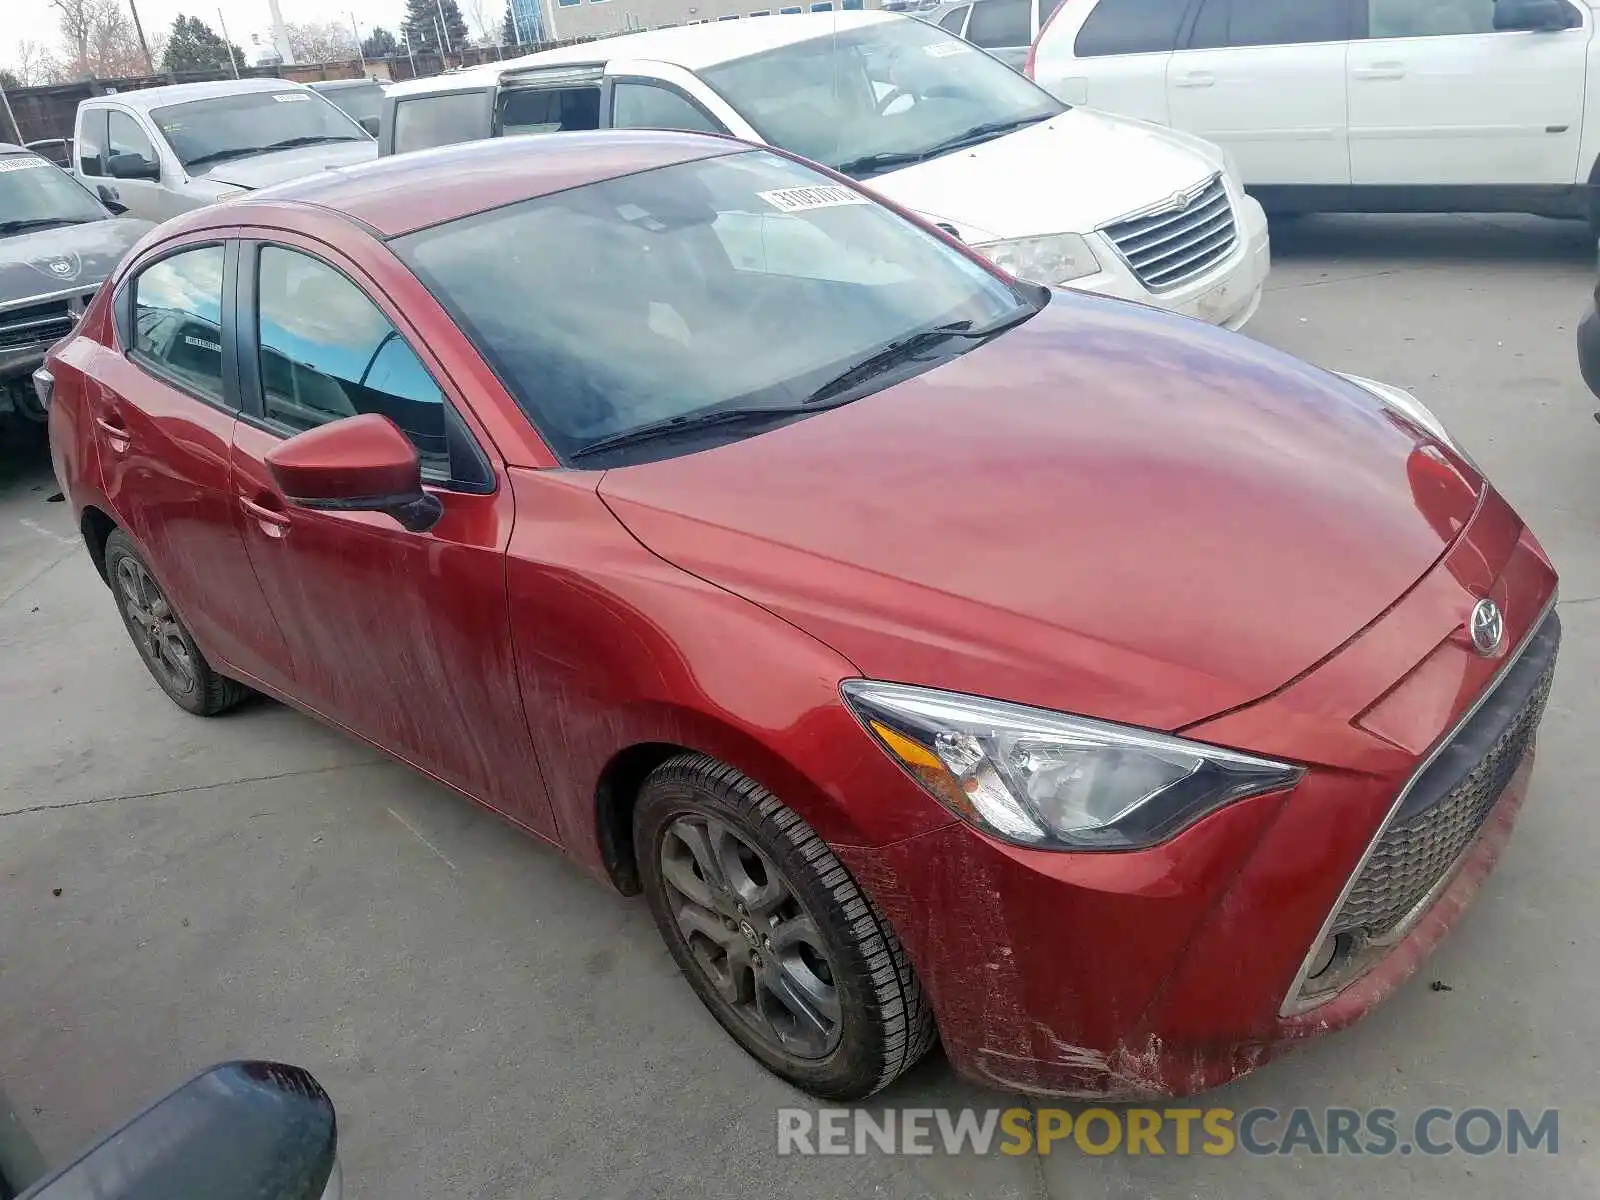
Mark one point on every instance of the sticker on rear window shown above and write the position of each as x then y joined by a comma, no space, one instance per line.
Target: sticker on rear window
802,198
289,97
202,343
20,162
946,49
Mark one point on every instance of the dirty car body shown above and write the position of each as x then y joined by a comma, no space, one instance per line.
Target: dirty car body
1165,696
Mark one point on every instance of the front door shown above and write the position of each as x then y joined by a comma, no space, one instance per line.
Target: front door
404,638
1438,96
1266,80
128,142
164,413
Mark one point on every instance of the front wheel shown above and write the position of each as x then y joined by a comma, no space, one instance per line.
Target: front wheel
773,934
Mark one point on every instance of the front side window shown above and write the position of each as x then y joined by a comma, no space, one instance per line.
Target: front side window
879,97
327,351
362,103
92,142
1000,23
952,20
1269,23
736,282
550,110
245,124
126,138
637,105
1131,27
177,319
36,194
444,120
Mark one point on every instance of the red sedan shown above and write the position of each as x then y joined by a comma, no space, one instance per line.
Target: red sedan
1112,694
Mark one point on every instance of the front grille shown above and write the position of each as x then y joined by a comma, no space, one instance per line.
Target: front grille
49,321
1167,248
1446,805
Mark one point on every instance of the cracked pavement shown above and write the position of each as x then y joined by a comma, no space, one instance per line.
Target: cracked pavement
493,1023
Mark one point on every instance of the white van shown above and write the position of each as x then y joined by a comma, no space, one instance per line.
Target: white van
1355,105
1055,195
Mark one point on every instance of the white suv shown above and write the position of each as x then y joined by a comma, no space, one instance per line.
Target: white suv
1355,105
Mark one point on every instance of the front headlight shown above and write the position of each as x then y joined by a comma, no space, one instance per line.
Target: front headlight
1408,406
1056,258
1051,781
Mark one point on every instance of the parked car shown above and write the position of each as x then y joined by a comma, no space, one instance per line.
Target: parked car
1131,696
1364,106
57,150
1005,28
240,1131
359,99
1051,194
57,243
165,150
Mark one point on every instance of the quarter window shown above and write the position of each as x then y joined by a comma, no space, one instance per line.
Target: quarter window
649,106
177,320
1000,23
1131,27
328,352
1269,23
1428,18
126,137
440,120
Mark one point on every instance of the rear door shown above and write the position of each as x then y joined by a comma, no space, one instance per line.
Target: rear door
1438,96
1002,27
420,122
164,411
1113,55
1266,80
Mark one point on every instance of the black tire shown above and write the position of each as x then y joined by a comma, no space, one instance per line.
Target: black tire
884,1024
194,687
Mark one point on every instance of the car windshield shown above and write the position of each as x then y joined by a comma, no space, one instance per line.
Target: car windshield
248,123
361,103
35,194
731,283
876,97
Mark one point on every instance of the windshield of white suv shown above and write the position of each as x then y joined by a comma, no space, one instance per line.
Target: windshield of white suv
35,194
699,302
202,132
879,96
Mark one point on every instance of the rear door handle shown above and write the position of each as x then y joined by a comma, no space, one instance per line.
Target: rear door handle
115,429
274,521
1382,70
1196,79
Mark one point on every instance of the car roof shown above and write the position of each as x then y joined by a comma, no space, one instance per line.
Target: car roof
401,193
145,99
13,148
692,47
334,85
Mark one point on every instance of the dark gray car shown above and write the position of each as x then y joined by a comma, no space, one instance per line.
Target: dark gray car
58,243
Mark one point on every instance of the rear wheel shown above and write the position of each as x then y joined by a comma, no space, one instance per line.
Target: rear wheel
161,638
773,934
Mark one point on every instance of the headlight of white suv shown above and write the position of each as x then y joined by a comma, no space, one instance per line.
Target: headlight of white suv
1055,258
1051,781
1408,406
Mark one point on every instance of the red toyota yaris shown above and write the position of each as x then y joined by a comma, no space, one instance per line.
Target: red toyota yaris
1114,695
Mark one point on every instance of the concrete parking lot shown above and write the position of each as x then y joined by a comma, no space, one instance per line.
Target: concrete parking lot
492,1023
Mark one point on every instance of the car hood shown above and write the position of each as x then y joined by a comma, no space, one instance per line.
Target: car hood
46,261
280,166
1070,174
1108,510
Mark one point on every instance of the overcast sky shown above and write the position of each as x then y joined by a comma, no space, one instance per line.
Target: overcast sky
36,19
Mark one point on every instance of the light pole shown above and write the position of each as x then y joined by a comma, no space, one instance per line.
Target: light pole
138,28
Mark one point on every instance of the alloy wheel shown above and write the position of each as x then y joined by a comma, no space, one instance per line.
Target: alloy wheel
155,626
751,936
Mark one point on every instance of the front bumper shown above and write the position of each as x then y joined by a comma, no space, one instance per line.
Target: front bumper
1172,970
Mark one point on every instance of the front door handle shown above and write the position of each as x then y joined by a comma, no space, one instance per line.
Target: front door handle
1196,79
1382,70
273,520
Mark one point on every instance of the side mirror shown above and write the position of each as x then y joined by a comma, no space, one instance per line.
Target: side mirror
1537,16
358,464
132,166
370,124
242,1130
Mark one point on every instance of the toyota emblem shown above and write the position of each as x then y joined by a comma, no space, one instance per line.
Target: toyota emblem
1488,627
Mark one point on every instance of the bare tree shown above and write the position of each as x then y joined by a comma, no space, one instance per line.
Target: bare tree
100,40
34,65
322,41
485,29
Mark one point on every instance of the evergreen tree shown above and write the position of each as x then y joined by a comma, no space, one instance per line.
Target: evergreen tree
422,23
194,46
380,43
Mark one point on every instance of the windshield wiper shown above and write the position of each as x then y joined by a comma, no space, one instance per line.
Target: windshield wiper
907,348
217,156
869,164
313,139
694,423
9,227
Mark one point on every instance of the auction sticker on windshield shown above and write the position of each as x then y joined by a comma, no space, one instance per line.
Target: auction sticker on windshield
946,49
802,198
19,163
288,97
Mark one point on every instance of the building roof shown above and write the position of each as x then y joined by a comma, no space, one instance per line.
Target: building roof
689,46
145,99
404,192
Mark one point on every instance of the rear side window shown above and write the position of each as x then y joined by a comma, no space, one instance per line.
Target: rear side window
440,120
549,110
1131,27
177,320
1269,23
636,105
92,142
951,21
1001,23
